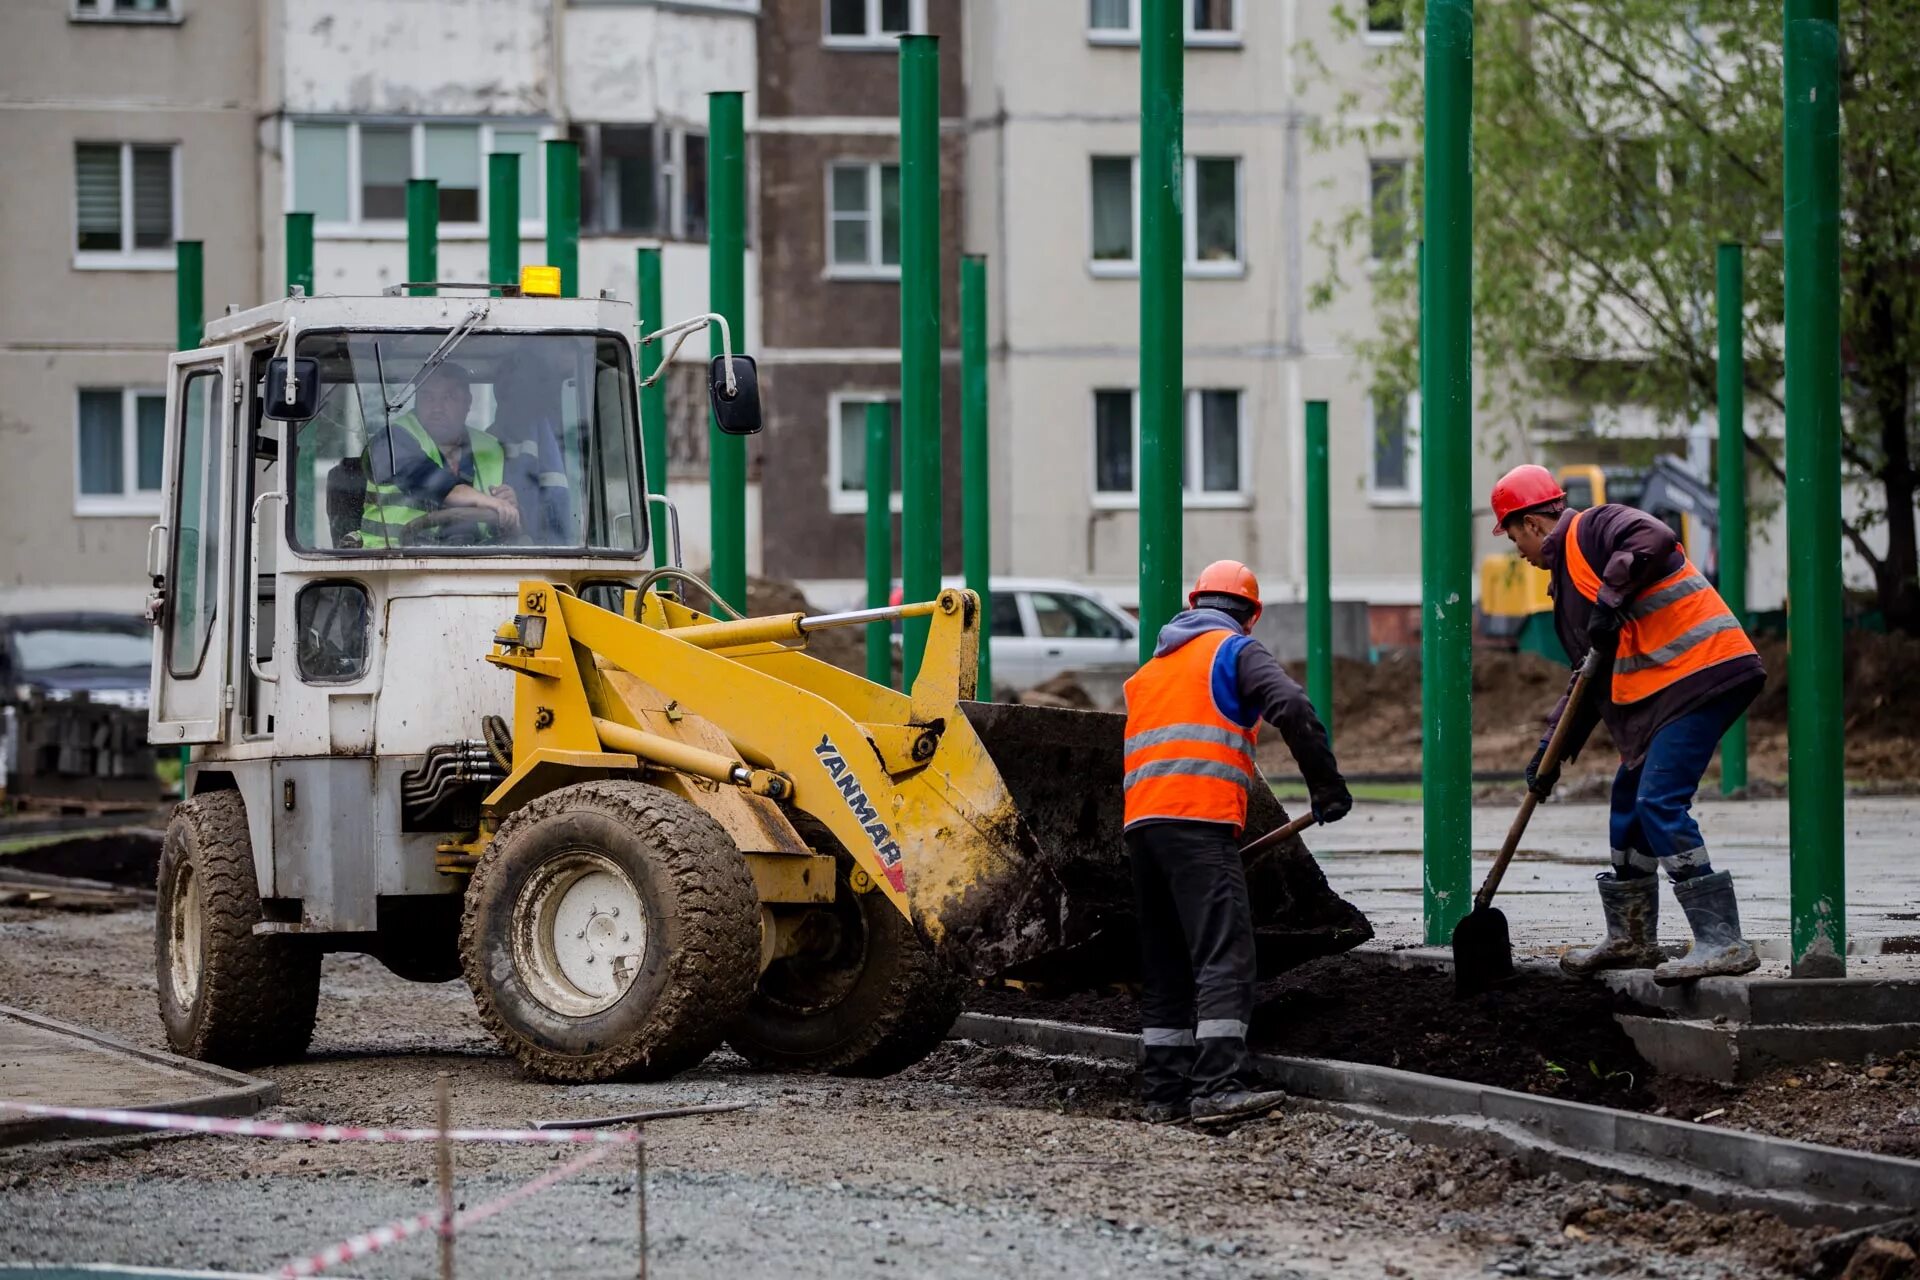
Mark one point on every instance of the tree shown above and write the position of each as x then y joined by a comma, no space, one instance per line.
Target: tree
1615,146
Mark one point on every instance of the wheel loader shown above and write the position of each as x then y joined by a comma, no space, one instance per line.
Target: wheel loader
442,713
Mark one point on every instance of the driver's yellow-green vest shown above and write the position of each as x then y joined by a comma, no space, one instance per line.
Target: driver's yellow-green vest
390,508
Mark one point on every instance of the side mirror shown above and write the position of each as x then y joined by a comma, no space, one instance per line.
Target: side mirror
293,388
737,412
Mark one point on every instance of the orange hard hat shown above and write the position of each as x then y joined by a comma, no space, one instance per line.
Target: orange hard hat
1226,578
1523,487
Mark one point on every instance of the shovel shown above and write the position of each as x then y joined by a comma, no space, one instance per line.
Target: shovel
1482,949
1279,835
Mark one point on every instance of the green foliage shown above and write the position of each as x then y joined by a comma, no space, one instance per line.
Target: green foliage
1615,145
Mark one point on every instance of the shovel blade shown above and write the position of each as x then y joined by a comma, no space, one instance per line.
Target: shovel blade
1482,951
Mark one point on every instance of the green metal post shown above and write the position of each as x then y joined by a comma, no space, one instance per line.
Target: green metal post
1162,269
879,538
1319,569
653,399
977,488
189,326
921,490
727,291
503,217
1816,778
423,232
1733,483
563,212
300,253
189,294
1446,472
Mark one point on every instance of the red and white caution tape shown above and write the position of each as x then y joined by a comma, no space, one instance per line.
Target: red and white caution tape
315,1132
380,1237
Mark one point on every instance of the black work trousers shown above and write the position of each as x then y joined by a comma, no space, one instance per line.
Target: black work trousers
1196,960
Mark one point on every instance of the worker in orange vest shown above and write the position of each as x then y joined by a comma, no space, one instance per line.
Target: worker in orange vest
1680,670
1193,715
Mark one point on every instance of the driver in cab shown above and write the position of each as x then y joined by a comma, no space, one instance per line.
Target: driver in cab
433,479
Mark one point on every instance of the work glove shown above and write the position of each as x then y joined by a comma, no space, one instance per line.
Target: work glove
1537,782
1330,804
1603,630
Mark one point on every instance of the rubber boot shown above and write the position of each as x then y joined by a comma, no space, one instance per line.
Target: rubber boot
1632,909
1718,949
1235,1104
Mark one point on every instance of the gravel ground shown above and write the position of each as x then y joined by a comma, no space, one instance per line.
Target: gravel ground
976,1161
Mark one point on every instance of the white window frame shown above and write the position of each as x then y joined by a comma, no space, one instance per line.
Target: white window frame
357,227
1129,35
127,258
1192,498
1381,39
873,268
874,38
131,500
853,502
1407,495
1190,214
171,15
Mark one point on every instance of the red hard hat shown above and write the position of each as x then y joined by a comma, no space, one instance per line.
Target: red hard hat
1227,578
1524,486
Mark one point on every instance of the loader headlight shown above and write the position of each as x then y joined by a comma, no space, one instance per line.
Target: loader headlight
532,628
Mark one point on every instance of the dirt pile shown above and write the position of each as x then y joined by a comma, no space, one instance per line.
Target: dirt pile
1869,1106
1536,1034
1376,712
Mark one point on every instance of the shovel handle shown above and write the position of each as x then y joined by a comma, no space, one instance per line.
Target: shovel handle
1556,743
1278,835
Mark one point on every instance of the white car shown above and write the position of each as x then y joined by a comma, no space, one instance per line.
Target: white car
1040,627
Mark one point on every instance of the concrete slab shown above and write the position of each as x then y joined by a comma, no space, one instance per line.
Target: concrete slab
1736,1051
55,1063
1373,858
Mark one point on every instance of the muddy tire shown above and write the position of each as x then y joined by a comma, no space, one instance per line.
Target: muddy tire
226,995
611,931
876,1002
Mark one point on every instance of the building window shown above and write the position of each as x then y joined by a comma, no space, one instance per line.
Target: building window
122,445
863,219
1213,460
125,195
642,180
352,176
1215,22
1387,180
127,10
1392,475
693,186
872,24
847,449
1386,20
1213,215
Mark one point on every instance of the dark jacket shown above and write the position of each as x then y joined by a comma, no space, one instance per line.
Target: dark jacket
1631,551
1258,688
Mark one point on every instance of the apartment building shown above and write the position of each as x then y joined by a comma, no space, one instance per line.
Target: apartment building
828,216
151,121
127,125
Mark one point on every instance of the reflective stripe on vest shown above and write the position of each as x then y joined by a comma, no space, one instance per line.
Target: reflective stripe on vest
1674,628
391,507
1184,758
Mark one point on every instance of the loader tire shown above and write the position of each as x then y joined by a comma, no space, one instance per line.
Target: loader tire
549,945
877,1003
227,995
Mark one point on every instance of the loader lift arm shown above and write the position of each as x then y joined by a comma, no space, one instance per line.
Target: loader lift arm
902,782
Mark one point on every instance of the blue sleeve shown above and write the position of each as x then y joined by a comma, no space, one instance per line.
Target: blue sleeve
394,457
1226,683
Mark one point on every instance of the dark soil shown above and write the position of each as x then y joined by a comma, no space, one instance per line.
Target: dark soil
1537,1034
1870,1106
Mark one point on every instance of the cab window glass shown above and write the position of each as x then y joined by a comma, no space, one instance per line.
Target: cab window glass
1069,617
333,621
193,577
495,443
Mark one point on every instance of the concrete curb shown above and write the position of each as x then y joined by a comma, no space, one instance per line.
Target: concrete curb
228,1093
1719,1169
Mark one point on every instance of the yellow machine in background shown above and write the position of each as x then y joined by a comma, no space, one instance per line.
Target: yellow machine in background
1515,609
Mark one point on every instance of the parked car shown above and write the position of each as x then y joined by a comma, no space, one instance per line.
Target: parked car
58,656
1040,627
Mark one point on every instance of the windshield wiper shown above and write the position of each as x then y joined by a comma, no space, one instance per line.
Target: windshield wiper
435,360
